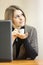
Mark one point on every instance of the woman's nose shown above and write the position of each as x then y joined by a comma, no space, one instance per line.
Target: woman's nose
20,17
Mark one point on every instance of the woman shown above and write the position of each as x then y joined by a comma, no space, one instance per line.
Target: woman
19,34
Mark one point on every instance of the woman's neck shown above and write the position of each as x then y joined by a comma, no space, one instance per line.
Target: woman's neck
17,27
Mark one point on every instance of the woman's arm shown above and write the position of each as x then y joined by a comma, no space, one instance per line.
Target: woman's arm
33,39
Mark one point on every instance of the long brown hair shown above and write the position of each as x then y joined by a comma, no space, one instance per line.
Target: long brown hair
9,12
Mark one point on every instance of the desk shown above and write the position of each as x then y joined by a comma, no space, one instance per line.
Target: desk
23,62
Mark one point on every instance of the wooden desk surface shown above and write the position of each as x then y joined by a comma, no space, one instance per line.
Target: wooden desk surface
23,62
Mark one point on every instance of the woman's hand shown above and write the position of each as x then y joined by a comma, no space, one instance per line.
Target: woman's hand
22,36
14,35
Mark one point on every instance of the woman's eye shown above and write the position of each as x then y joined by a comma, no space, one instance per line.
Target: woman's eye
17,16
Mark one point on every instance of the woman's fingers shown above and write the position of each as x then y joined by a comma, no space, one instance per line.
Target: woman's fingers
15,32
22,36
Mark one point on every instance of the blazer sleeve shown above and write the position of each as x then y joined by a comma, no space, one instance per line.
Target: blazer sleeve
33,39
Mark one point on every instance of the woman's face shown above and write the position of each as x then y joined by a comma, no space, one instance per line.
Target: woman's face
18,19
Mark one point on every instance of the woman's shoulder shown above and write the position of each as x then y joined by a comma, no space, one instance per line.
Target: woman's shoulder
30,27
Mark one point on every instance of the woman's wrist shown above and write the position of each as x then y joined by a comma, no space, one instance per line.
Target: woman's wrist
22,36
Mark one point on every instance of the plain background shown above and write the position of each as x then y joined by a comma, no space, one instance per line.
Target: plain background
34,13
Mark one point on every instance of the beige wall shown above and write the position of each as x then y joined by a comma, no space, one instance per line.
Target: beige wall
40,28
5,3
28,6
33,11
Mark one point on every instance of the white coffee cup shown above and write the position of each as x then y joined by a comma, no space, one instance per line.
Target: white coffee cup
22,31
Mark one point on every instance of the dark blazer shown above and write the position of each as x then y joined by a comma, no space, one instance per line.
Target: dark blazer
32,39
